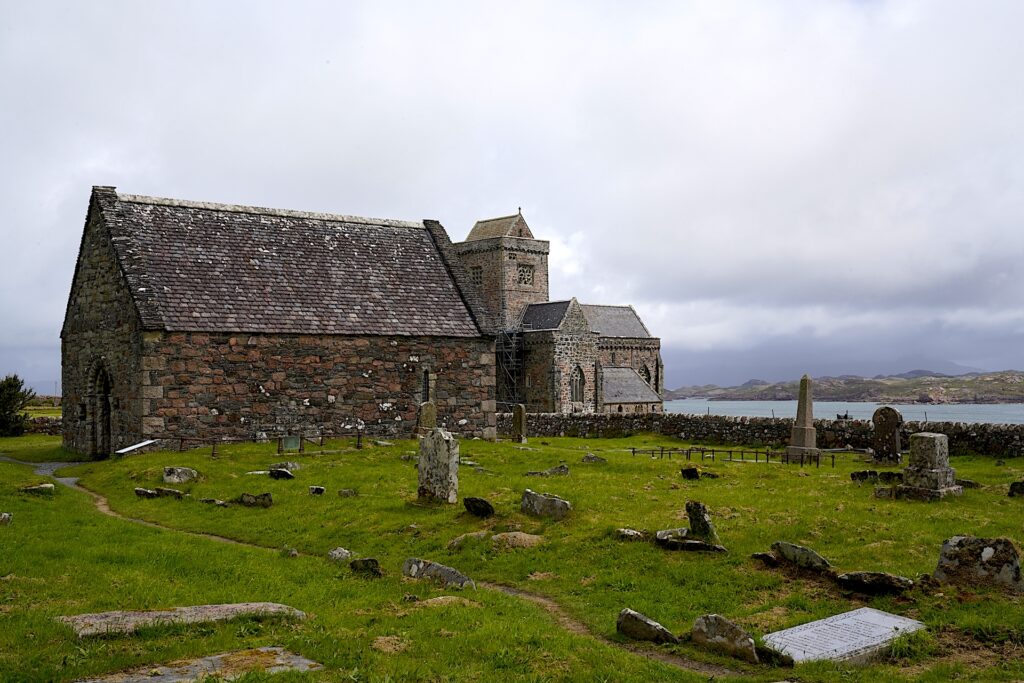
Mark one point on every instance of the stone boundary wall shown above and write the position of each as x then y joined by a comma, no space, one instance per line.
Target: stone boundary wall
44,425
986,439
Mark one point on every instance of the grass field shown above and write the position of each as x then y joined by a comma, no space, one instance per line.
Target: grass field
62,556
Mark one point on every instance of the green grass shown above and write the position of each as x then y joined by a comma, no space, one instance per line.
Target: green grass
36,448
43,411
66,558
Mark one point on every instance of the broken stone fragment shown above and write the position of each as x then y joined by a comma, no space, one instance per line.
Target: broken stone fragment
634,625
39,489
478,507
416,568
6,518
631,535
1016,489
666,535
718,633
517,539
339,555
972,561
700,522
259,472
281,473
347,493
864,475
179,475
261,500
544,505
590,457
458,541
874,583
383,444
690,472
802,557
770,559
214,501
105,623
146,493
366,565
169,493
890,477
692,545
556,471
316,490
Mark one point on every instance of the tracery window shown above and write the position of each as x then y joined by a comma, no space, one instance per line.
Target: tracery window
525,274
577,385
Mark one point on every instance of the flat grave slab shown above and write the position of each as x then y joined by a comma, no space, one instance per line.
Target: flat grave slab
849,637
129,621
226,666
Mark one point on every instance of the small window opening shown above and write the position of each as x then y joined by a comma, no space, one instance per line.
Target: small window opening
426,385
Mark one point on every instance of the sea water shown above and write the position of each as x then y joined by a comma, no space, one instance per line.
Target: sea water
991,413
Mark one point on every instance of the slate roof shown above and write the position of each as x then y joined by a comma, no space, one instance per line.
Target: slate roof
625,385
222,268
614,321
546,316
506,226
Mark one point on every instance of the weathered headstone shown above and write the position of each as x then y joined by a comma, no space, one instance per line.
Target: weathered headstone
164,492
803,440
802,557
634,625
970,560
426,417
348,493
700,522
339,555
886,437
179,475
129,621
316,490
591,458
146,493
854,637
260,500
439,467
289,465
875,583
416,568
1016,489
544,505
368,566
519,423
516,539
39,489
478,507
718,633
226,666
556,471
631,535
281,473
928,475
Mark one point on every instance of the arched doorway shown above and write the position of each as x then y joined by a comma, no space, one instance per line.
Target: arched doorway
100,418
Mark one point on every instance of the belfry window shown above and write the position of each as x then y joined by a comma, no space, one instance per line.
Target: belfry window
524,274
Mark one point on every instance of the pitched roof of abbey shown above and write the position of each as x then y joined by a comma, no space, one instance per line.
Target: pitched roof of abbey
194,266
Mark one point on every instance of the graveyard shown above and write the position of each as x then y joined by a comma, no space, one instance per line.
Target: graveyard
538,598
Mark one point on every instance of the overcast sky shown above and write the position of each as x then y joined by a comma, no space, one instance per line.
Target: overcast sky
777,187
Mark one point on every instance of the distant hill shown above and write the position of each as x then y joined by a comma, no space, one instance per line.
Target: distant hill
916,386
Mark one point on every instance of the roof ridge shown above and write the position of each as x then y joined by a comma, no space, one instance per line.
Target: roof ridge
497,218
260,210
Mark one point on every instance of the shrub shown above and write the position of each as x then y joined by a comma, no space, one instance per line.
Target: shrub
13,399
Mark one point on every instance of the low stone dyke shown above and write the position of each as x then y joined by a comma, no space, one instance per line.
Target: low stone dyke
985,439
43,425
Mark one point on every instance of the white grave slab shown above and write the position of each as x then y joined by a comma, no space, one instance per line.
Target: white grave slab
135,447
852,636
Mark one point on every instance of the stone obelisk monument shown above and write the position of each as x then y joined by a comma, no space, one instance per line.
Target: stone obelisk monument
803,441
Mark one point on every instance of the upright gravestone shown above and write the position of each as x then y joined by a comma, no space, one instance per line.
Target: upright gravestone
519,423
928,475
803,441
426,418
439,467
886,437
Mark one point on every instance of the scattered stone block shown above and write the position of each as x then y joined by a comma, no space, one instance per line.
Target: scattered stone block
715,632
163,492
40,490
890,477
317,490
519,423
348,493
179,475
339,555
146,493
439,467
968,484
556,471
1016,489
634,625
972,561
6,518
382,444
690,472
770,559
928,475
259,472
665,536
478,507
368,566
214,501
104,623
226,666
281,473
457,542
416,568
855,637
544,505
802,557
289,465
260,500
591,458
632,535
692,545
700,522
864,475
517,539
875,583
886,436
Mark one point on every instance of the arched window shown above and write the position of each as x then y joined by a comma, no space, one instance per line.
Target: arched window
577,385
620,409
645,373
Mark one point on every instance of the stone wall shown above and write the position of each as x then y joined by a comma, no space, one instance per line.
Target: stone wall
986,439
240,385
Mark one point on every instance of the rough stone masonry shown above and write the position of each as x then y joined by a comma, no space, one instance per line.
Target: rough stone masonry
439,467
